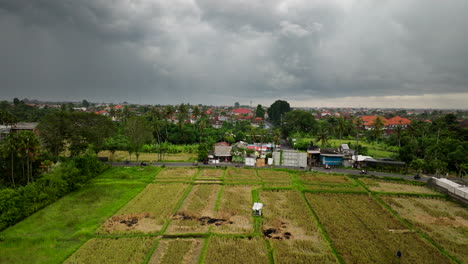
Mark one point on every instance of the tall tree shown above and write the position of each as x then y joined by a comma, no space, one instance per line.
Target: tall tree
85,103
340,126
54,131
358,125
323,134
298,121
377,126
276,111
260,112
138,132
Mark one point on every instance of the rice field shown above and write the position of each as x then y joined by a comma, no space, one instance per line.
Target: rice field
211,174
318,178
293,230
175,251
236,250
363,232
445,222
176,174
241,175
127,216
147,212
325,182
120,156
113,250
394,187
235,206
197,207
270,176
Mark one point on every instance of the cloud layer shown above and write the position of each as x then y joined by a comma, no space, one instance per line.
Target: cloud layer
218,52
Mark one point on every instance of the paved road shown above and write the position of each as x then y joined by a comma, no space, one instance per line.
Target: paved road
319,169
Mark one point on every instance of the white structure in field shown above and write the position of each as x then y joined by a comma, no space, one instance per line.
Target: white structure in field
257,209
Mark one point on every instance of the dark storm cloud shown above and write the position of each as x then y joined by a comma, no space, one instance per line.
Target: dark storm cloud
211,51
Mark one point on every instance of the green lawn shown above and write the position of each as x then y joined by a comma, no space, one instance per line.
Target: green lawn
55,232
375,150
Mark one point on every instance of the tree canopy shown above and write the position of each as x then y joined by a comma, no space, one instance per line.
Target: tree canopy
276,111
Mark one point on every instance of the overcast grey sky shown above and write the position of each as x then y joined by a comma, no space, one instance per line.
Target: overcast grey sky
380,53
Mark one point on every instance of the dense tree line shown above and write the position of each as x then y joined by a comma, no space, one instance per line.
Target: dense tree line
434,147
67,176
439,146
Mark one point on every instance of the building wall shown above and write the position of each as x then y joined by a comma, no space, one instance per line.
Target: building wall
291,159
335,161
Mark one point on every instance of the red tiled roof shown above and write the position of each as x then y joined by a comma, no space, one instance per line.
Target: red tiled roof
222,144
397,120
369,120
241,111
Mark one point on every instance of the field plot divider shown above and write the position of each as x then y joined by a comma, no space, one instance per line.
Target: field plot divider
177,207
421,195
201,260
144,185
196,174
156,176
270,253
421,233
94,235
337,255
257,220
262,182
151,251
218,198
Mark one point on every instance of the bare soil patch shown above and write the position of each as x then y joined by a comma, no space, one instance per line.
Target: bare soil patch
143,222
203,220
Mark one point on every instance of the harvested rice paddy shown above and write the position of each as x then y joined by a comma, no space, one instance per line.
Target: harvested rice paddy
444,221
204,215
394,187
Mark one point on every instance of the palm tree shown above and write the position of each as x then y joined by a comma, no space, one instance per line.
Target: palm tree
11,150
378,126
358,126
340,126
322,135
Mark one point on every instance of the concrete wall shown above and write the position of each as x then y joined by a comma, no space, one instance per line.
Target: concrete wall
291,158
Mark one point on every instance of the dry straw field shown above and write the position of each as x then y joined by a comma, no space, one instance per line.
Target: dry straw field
203,215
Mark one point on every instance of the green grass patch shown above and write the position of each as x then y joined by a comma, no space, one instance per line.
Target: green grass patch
53,233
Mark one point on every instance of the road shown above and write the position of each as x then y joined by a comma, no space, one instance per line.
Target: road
319,169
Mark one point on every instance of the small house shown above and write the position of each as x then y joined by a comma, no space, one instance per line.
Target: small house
257,209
